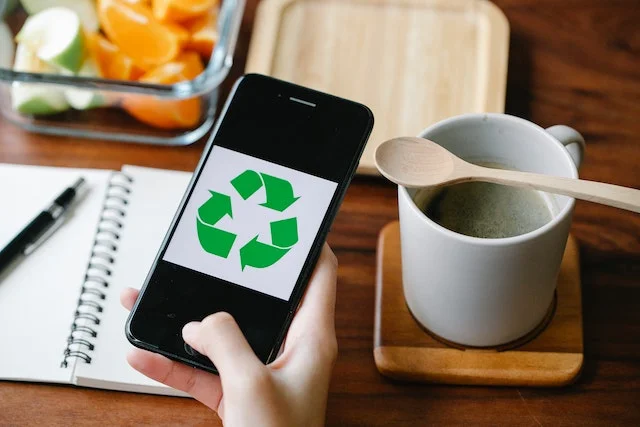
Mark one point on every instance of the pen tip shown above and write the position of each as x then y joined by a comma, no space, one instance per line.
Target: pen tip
79,183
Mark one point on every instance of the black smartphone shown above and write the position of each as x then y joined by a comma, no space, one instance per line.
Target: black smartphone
250,228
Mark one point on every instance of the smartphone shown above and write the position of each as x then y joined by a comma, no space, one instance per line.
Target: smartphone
250,228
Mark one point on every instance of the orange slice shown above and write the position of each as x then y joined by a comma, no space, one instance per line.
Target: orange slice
187,66
112,63
204,33
138,34
180,32
168,114
181,10
145,2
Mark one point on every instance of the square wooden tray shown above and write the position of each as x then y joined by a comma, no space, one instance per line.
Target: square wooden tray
413,62
402,350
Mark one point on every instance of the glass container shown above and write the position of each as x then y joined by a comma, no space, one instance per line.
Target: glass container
113,122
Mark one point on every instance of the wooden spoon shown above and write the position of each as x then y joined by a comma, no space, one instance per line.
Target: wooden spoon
417,162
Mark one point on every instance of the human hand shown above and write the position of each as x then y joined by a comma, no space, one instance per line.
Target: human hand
290,391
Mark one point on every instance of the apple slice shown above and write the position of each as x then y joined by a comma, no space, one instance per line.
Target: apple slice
35,98
7,7
55,35
6,46
84,99
86,10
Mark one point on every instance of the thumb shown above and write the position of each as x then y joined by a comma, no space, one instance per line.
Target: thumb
221,340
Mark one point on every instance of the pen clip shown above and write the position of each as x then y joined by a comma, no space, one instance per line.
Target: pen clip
33,246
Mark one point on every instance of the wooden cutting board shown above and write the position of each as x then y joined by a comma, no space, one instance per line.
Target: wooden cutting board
413,62
551,356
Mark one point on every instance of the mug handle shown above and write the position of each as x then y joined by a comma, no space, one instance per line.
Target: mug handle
572,141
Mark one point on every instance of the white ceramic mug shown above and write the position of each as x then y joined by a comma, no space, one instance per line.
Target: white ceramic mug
488,292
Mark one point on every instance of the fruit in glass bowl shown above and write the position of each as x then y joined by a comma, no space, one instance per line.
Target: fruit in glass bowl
161,42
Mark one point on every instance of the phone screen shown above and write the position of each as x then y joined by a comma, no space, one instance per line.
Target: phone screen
253,221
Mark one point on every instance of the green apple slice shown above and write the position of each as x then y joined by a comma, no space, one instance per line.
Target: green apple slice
83,99
86,10
7,7
35,98
55,35
6,46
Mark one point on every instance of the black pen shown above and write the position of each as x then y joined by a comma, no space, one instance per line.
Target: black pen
40,228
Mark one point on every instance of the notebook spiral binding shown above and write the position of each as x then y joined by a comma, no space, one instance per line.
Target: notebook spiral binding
86,318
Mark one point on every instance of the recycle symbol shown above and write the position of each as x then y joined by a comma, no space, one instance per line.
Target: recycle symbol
284,233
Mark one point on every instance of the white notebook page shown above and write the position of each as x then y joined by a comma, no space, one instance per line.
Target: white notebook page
38,297
154,199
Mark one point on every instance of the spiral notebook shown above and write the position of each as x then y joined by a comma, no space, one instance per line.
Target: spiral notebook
60,315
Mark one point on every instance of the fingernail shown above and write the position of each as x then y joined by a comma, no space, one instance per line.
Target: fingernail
190,330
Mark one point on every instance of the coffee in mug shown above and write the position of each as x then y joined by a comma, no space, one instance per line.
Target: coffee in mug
487,210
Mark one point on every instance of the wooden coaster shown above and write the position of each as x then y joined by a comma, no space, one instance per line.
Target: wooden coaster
404,351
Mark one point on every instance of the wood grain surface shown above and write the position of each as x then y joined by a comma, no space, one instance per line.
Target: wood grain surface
575,62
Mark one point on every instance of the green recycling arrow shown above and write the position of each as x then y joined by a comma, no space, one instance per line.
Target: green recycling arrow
247,183
260,255
214,240
284,234
279,191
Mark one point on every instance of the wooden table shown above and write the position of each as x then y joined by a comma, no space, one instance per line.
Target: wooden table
573,62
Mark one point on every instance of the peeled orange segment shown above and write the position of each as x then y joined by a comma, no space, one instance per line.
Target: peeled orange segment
180,32
168,114
137,33
181,10
204,33
187,66
161,114
111,62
